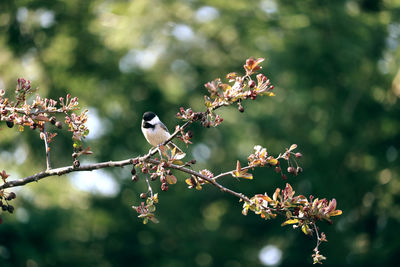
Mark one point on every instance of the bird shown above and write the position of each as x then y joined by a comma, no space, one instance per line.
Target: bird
156,133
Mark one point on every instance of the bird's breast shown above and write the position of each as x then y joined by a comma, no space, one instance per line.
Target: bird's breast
156,135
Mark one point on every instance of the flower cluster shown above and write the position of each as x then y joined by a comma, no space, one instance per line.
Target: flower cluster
41,111
156,171
261,158
184,137
22,89
293,166
299,211
317,258
303,211
189,115
211,120
76,125
259,205
239,87
208,118
146,211
197,182
318,209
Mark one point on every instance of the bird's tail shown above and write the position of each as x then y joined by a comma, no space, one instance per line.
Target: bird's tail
179,154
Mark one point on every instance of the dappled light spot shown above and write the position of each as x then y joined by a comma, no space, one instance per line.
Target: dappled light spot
183,32
201,152
206,14
97,182
270,255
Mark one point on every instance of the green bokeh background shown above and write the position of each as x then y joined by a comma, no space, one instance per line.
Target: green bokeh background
335,65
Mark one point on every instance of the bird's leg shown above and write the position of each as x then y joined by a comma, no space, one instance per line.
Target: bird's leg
158,148
159,151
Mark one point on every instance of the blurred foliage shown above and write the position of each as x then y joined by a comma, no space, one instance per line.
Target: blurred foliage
335,65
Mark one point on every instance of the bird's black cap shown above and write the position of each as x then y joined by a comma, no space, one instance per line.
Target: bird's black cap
148,116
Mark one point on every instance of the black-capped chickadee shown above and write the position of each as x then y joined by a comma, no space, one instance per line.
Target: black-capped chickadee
157,133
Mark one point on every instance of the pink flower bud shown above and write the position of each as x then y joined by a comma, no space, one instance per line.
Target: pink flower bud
252,84
164,187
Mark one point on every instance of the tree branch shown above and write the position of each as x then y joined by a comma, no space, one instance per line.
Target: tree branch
90,167
109,164
64,170
122,163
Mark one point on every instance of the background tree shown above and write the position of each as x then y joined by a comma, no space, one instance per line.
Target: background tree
335,65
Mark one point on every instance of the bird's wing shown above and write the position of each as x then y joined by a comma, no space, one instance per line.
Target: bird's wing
163,126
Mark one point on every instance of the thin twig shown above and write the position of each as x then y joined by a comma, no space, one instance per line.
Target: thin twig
149,186
46,146
230,172
37,111
210,180
318,238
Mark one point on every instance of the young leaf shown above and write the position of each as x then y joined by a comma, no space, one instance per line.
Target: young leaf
154,219
199,187
239,173
292,221
272,161
266,198
335,213
276,194
171,179
189,181
306,230
173,152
